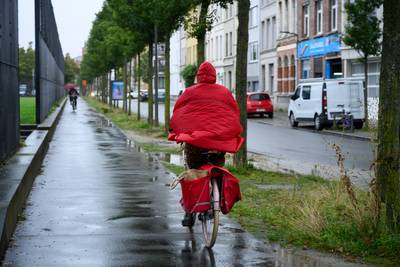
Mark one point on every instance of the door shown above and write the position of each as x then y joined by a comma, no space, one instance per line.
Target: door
356,92
295,102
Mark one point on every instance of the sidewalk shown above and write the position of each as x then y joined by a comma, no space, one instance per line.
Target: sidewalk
98,202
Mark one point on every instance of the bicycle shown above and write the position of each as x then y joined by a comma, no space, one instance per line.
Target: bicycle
73,101
206,192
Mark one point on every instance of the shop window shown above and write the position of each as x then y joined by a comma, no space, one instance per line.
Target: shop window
318,68
305,69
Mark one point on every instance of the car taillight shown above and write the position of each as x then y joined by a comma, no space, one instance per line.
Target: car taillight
324,100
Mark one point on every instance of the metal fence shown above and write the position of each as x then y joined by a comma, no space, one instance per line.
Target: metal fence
9,93
49,74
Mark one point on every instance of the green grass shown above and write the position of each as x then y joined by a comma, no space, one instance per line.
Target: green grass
151,147
124,121
27,110
310,212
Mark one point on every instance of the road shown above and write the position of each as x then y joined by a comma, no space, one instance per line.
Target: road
100,202
302,150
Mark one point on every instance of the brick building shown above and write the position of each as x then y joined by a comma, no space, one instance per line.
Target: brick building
319,46
286,51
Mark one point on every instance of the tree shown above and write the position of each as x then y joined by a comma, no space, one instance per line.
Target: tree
388,165
26,65
71,69
189,74
200,20
363,33
240,158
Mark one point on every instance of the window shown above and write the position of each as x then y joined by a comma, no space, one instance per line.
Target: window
268,39
318,68
334,9
226,45
306,93
319,17
306,68
253,51
230,43
287,16
273,31
306,20
263,34
259,97
281,17
296,94
253,17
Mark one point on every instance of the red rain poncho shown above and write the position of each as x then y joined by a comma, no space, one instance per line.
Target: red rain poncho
206,115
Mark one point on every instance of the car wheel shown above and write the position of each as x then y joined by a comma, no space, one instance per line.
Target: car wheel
271,115
318,123
293,121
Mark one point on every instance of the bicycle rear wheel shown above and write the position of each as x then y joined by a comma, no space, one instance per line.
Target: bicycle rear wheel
210,219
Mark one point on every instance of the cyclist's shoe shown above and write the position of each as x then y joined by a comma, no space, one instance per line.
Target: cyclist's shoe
188,219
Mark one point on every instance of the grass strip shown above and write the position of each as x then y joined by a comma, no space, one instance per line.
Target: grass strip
124,121
309,212
27,110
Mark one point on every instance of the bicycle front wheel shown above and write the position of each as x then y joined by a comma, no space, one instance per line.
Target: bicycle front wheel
210,219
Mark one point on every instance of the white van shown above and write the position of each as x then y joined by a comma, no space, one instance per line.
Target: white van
321,101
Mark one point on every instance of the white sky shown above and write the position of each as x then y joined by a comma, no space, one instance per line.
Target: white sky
74,20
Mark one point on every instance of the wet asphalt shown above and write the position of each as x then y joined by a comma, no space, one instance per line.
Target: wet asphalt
99,202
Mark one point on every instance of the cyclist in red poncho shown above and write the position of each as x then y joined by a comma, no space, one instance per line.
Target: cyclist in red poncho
206,118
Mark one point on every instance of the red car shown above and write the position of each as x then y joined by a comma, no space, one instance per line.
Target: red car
259,103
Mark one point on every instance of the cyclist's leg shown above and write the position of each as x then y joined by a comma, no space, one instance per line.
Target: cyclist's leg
194,158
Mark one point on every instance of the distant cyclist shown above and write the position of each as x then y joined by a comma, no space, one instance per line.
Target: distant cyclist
73,96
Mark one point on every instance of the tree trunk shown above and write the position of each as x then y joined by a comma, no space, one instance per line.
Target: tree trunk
156,122
366,113
201,37
240,158
138,78
388,162
110,91
130,88
150,89
125,90
167,111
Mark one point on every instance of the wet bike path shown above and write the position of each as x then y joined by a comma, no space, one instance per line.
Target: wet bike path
99,202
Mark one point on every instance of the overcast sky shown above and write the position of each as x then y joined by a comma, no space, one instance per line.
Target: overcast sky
74,20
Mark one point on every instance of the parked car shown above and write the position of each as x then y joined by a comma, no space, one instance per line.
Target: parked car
259,103
324,100
161,96
23,89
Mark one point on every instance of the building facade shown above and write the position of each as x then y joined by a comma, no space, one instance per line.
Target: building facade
253,60
319,49
267,46
286,51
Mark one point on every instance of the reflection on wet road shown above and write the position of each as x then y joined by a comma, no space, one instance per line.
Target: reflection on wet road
99,202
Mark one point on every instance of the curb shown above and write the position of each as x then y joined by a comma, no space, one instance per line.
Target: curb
18,175
346,135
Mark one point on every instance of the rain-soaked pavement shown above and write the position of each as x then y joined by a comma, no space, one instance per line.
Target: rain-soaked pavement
99,202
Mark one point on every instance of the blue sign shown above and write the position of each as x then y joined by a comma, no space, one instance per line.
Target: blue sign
319,47
117,88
